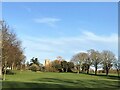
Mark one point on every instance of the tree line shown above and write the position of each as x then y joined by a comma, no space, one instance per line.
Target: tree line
57,65
105,59
12,51
81,62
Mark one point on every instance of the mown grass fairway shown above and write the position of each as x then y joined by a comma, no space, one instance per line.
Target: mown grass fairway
28,79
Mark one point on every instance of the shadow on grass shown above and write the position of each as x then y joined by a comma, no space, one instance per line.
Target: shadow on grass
82,83
15,84
108,77
57,83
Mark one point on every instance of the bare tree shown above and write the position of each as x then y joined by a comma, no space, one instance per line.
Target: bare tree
79,59
77,62
11,49
117,66
107,60
85,61
95,57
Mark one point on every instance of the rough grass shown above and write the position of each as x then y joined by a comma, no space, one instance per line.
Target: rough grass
28,79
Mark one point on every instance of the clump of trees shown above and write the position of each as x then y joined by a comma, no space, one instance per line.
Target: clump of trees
105,59
60,65
12,51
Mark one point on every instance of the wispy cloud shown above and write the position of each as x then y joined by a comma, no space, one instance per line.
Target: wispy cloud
48,21
91,36
68,46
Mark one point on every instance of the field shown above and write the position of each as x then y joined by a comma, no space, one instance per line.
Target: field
28,79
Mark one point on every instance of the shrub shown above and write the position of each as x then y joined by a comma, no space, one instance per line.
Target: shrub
34,67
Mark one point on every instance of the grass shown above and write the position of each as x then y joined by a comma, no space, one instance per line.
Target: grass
28,79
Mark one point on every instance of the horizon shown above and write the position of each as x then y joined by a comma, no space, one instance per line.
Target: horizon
48,30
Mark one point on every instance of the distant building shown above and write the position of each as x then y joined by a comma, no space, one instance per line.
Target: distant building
47,62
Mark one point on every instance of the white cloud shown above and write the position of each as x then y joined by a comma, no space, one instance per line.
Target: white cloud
91,36
47,20
68,46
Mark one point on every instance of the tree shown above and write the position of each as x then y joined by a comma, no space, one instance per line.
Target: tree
76,61
59,58
22,63
85,67
70,66
56,64
34,61
107,60
80,59
0,47
35,64
11,49
64,65
27,65
86,61
95,56
117,66
34,67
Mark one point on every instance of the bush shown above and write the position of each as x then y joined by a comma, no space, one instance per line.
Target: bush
34,67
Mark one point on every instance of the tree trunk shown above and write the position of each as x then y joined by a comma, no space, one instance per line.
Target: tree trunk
107,70
5,68
107,73
0,70
21,67
95,70
78,69
82,70
118,71
88,69
12,66
4,73
66,70
62,70
1,67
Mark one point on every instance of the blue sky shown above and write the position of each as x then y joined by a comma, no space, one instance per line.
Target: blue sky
52,29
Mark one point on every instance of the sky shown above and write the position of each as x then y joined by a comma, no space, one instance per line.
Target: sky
50,29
